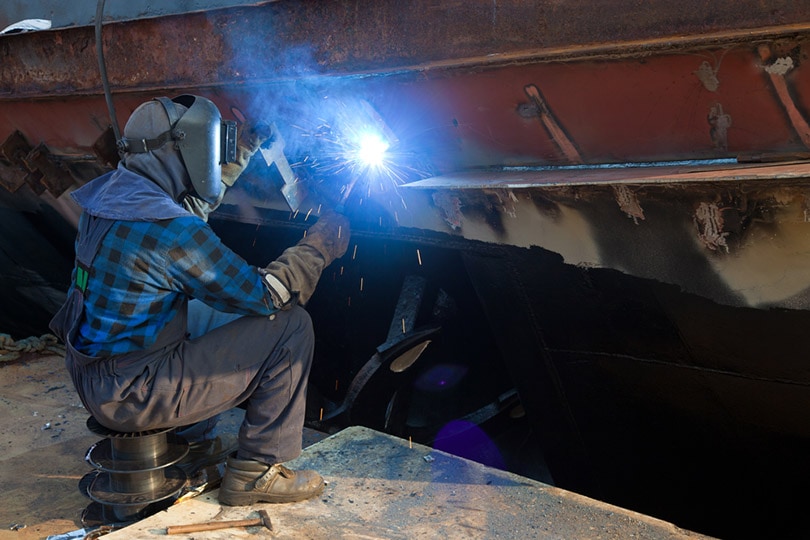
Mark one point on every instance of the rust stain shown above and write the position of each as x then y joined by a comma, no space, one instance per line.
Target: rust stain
709,221
450,205
628,202
708,76
719,123
776,70
506,199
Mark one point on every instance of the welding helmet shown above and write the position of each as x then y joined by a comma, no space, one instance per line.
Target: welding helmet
203,139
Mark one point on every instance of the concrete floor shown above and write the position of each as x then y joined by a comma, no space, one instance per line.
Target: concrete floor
379,486
43,439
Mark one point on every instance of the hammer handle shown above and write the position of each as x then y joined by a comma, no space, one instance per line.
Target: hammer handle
213,525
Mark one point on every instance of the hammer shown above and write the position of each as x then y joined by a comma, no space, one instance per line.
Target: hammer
263,519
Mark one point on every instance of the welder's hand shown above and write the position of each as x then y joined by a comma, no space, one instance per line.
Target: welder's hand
294,275
330,236
249,137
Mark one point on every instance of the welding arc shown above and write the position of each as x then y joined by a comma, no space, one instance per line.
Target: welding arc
103,70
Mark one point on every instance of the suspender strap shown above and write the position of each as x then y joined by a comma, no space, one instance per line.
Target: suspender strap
92,231
82,273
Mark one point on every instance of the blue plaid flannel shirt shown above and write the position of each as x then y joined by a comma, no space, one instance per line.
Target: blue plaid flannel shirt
142,271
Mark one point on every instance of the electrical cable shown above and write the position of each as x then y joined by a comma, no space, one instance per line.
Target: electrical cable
103,70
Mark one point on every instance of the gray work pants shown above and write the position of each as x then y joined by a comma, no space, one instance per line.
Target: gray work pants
259,363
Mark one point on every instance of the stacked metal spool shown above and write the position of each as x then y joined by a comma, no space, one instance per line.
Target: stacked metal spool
135,474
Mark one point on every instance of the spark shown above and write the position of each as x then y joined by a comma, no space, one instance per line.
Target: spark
419,257
354,253
355,146
361,284
255,234
308,213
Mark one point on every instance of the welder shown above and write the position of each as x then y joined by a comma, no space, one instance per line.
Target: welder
165,326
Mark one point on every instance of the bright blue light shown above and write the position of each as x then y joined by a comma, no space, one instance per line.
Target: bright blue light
371,150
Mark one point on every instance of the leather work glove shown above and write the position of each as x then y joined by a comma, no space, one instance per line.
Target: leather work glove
330,236
201,208
249,138
294,275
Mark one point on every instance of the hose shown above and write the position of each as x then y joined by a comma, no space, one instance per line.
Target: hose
103,70
11,350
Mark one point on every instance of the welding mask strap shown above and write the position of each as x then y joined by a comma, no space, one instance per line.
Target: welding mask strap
171,110
141,146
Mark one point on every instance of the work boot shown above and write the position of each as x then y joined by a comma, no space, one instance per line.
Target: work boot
248,482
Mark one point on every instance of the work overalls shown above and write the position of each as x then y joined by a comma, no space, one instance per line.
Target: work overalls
259,363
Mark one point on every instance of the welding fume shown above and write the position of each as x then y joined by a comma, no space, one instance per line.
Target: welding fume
348,151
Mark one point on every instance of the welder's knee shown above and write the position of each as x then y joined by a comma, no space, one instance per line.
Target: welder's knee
300,322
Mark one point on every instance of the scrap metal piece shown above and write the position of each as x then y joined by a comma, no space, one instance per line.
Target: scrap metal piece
12,178
53,177
20,163
13,171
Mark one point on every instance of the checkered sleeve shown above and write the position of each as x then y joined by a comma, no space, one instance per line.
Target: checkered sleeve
200,265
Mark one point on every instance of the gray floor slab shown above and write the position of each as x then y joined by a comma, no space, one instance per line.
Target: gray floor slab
385,487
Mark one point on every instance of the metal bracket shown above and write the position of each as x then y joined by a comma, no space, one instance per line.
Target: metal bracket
273,153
